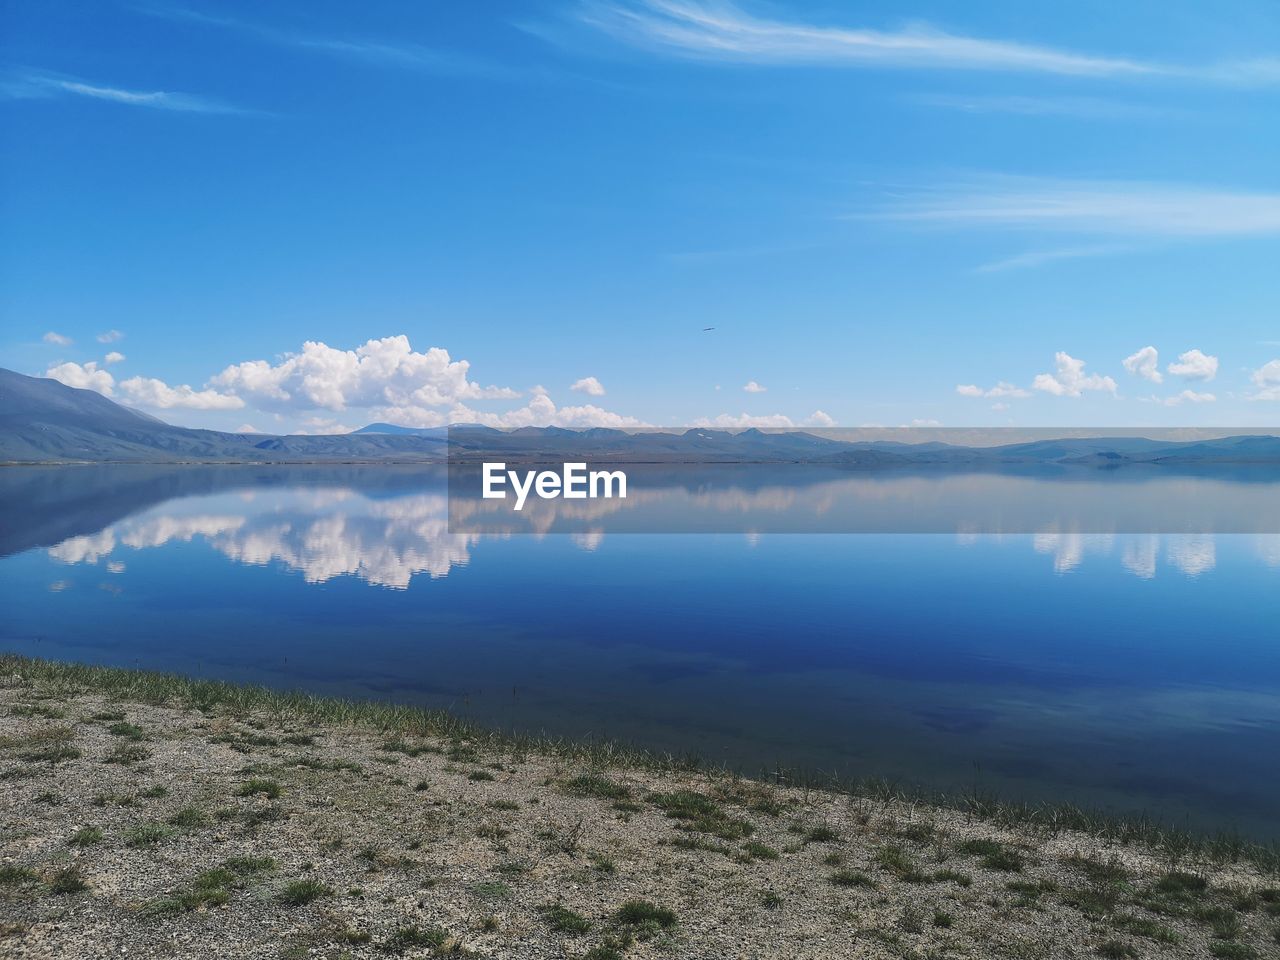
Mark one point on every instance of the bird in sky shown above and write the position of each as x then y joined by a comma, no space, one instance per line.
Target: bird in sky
705,329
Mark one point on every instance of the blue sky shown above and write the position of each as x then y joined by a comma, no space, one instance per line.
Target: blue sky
970,214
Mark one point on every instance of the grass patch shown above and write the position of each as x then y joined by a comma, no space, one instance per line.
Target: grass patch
86,837
129,731
1233,951
701,814
399,744
127,754
1116,949
823,834
259,786
246,866
993,855
596,785
189,818
756,850
561,919
1145,927
413,938
900,863
851,878
299,893
480,775
146,834
642,913
12,875
68,880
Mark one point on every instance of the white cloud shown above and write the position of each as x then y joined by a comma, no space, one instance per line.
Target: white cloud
382,373
1189,396
1001,389
111,336
87,376
1069,379
727,421
1194,365
57,339
819,419
752,387
541,411
115,356
1146,364
1267,379
247,428
589,385
924,423
150,392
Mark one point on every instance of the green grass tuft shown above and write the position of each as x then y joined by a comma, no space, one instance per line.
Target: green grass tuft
561,919
259,786
301,892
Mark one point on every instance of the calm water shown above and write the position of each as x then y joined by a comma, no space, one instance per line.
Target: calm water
1137,671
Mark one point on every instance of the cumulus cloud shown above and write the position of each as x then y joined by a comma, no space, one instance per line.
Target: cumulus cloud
1070,380
752,387
1267,379
247,428
115,356
57,339
150,392
590,386
1189,396
727,421
381,373
86,376
1001,389
1195,365
111,336
1145,364
540,411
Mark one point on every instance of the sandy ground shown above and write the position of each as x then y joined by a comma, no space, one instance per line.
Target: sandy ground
139,831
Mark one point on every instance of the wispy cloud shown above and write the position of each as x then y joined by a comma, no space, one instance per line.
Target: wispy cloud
37,85
1038,258
398,54
723,31
1082,108
1100,208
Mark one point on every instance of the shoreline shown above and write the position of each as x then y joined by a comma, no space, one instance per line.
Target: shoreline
395,830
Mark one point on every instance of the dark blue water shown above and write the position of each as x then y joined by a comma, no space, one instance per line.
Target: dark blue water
1129,671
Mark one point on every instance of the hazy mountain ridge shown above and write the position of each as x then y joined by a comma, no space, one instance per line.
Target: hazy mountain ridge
43,421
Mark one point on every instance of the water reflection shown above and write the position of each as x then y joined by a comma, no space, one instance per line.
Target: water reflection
340,531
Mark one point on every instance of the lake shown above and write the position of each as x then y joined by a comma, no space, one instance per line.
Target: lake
1111,639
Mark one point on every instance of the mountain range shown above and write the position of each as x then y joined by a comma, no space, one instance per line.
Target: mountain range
44,421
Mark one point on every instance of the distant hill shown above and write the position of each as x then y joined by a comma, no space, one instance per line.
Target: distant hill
45,421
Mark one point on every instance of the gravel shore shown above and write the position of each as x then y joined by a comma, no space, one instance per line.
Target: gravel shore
134,829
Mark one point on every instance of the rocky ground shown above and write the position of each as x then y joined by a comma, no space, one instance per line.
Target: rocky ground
131,829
